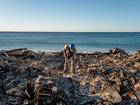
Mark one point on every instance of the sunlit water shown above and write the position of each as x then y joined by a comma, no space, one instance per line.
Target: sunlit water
84,41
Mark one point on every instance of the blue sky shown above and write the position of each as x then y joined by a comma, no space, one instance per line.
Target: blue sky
70,15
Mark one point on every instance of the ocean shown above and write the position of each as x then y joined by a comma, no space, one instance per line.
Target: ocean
84,41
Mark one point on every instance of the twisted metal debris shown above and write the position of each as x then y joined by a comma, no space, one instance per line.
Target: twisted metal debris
29,78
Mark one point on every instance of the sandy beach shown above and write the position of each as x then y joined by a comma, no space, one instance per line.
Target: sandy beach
100,78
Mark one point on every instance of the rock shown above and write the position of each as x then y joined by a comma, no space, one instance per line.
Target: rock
95,86
137,90
113,97
137,86
130,102
117,50
110,93
15,95
66,88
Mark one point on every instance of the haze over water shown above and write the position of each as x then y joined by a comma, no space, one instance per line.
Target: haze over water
84,41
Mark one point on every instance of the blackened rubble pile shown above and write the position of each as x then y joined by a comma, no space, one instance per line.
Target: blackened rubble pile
29,78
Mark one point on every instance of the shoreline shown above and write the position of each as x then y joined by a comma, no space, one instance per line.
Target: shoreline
107,50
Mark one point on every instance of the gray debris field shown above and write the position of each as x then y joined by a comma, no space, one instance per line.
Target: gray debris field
29,78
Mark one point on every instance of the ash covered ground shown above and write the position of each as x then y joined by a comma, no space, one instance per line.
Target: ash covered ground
29,78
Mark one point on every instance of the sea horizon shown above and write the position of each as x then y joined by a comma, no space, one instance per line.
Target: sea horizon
75,31
84,41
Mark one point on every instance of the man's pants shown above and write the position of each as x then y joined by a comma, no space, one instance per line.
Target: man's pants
69,65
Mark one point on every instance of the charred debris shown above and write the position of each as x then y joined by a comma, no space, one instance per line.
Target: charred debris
29,78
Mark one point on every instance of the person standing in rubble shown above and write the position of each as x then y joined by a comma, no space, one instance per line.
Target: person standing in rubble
67,54
70,57
73,58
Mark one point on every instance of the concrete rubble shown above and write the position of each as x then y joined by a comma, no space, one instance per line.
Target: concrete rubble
29,78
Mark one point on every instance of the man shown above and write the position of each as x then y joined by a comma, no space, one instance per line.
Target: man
67,54
73,58
70,57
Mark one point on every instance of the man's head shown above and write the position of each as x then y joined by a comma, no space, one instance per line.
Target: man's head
66,47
